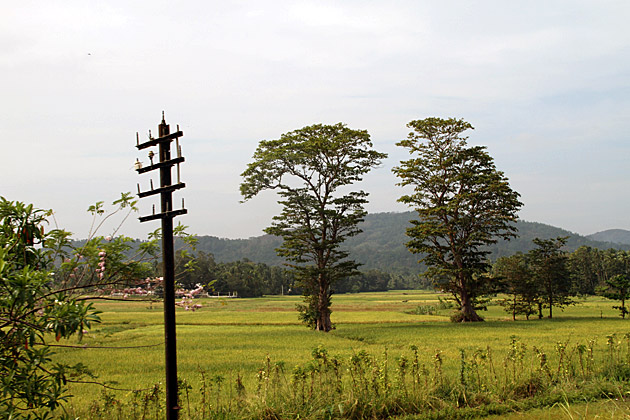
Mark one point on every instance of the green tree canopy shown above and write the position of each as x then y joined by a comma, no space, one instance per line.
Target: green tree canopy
587,268
516,279
463,203
551,271
311,168
617,278
618,288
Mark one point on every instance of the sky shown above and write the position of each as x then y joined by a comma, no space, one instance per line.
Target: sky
546,84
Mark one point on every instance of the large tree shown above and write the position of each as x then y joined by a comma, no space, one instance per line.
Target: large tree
463,203
311,168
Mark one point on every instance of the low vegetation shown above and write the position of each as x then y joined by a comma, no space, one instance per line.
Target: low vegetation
250,358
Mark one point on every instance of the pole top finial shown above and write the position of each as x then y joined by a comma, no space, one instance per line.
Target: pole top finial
163,127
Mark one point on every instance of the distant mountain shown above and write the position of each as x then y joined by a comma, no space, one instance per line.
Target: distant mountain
257,249
381,245
617,236
530,230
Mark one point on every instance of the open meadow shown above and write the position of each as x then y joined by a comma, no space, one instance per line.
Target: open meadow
236,350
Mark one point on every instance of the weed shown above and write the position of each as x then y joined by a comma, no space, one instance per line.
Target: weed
183,388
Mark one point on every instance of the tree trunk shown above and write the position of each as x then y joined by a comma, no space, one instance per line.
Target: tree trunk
550,306
323,307
540,314
514,309
468,313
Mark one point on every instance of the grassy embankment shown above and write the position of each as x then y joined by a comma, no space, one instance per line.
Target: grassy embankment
233,337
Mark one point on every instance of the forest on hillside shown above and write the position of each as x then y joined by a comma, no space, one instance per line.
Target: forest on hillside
251,267
381,244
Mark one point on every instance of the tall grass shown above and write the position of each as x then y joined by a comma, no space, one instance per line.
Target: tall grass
407,383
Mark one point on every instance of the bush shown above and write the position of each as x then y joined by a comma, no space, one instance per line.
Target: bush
32,311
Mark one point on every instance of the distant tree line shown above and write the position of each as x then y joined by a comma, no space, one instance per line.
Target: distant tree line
530,284
548,277
243,278
246,278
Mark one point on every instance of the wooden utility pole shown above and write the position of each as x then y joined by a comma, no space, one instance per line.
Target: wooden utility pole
167,213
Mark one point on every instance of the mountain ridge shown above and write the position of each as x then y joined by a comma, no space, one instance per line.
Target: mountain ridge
381,245
618,236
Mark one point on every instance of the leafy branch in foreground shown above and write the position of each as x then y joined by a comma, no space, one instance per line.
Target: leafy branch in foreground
46,285
33,312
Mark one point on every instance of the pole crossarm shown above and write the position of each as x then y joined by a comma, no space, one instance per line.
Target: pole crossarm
168,188
154,142
164,215
171,162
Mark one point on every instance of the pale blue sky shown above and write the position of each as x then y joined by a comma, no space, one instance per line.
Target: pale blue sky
545,83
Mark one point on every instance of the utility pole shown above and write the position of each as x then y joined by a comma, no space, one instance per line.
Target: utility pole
166,215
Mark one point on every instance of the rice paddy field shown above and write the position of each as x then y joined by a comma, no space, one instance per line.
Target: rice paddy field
234,339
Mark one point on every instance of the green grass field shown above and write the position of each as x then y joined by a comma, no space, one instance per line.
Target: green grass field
234,336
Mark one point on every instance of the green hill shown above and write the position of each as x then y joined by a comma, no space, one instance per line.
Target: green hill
617,236
381,245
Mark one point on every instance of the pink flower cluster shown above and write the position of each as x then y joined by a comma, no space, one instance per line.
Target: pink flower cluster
146,287
190,294
143,288
101,265
74,270
134,291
